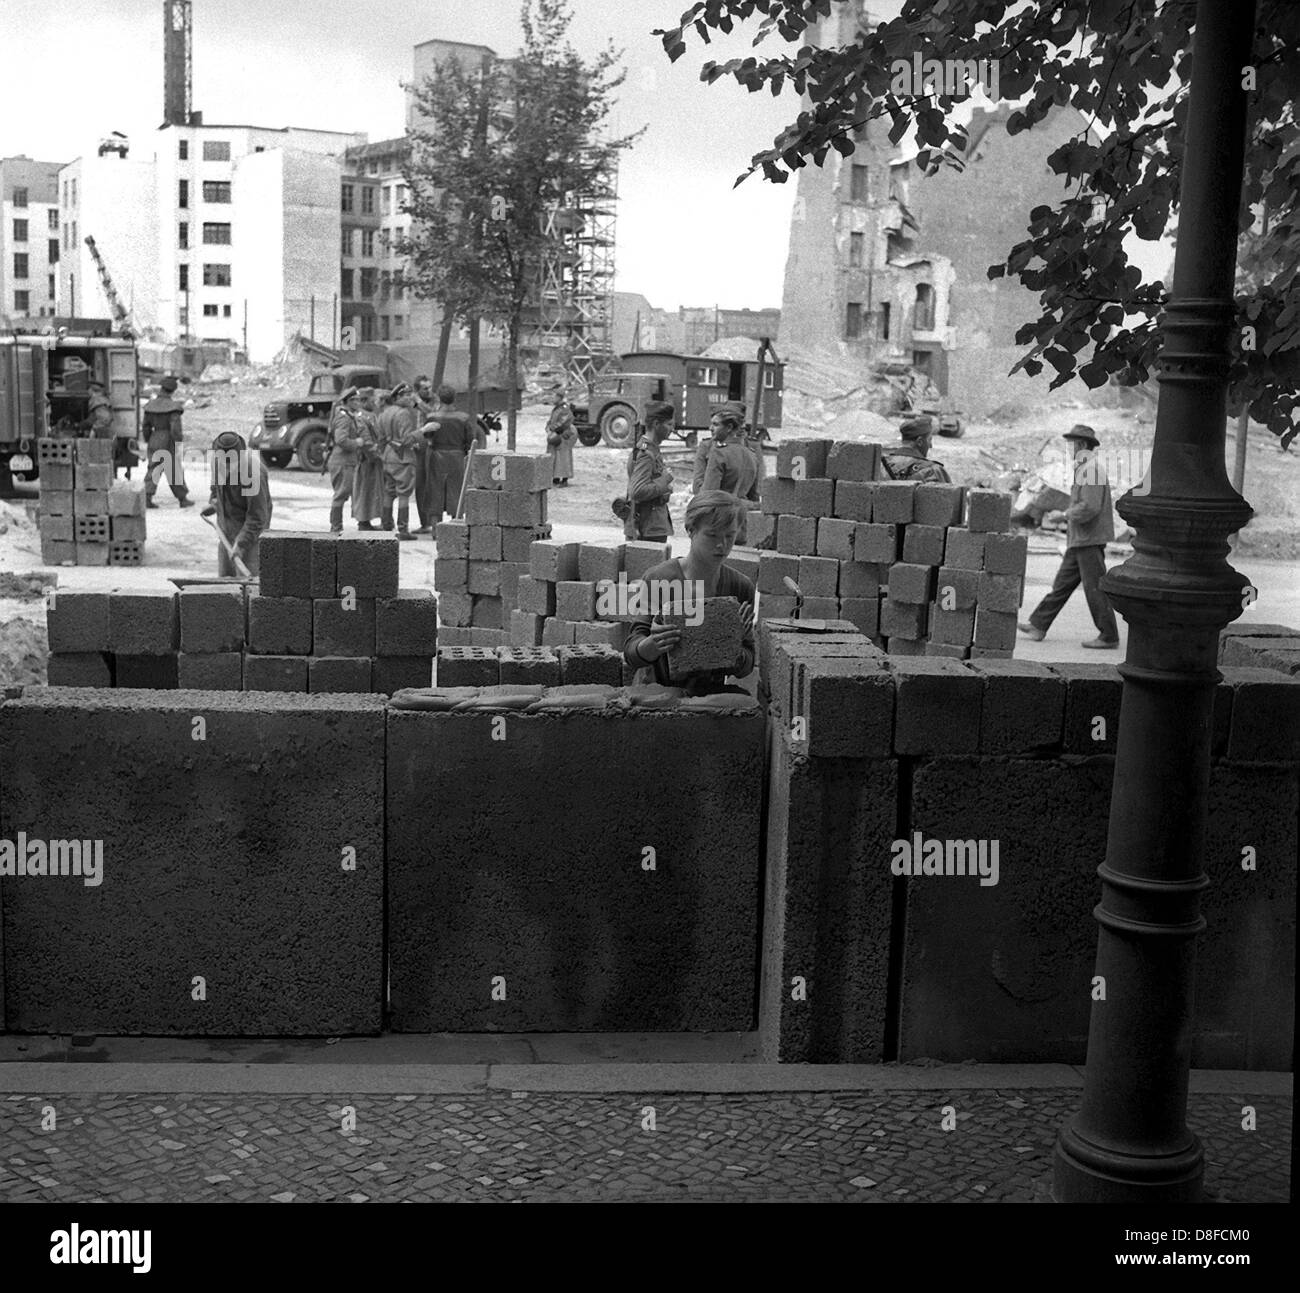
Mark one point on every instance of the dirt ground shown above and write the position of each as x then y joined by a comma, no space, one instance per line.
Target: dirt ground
182,544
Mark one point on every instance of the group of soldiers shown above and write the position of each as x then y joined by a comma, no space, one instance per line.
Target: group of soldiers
386,448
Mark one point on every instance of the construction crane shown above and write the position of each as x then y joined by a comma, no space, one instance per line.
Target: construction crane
120,315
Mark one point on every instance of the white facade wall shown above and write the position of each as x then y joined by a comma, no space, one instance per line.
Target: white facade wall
34,184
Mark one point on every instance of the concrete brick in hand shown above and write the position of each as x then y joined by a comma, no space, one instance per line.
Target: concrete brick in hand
713,644
395,672
339,674
407,625
1023,708
776,496
1092,704
938,706
955,589
344,628
956,628
814,497
367,563
487,613
151,672
639,556
483,578
143,623
590,663
1005,554
988,511
471,666
77,622
801,458
939,505
483,507
529,666
796,535
485,543
212,619
875,543
79,669
218,671
452,539
903,619
923,545
853,460
995,629
599,561
893,502
909,582
818,576
964,549
835,538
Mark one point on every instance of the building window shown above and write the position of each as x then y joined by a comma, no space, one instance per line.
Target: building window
216,150
704,376
368,200
216,275
923,312
182,193
404,195
51,288
367,242
20,264
74,193
52,251
347,197
216,233
216,190
184,280
225,311
385,328
346,284
20,197
347,242
857,241
183,235
22,302
387,200
853,320
74,233
858,184
65,192
368,276
20,231
209,311
884,321
54,219
183,150
368,328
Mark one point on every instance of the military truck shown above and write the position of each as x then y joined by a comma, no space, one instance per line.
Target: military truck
298,427
695,384
46,367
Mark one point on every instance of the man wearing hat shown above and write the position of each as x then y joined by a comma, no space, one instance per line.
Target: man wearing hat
240,501
98,422
344,454
162,432
649,480
399,439
450,435
1090,527
910,458
726,461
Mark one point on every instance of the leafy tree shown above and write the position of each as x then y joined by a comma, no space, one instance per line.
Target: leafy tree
500,144
1125,65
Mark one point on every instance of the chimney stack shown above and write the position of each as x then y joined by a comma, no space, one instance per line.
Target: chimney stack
176,62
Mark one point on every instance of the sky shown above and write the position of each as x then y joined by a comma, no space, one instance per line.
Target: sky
76,70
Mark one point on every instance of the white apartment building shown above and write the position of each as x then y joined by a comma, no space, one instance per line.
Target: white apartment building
30,239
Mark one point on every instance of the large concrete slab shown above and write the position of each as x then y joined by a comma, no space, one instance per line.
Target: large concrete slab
223,861
532,871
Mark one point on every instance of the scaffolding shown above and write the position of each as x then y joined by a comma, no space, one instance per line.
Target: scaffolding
573,320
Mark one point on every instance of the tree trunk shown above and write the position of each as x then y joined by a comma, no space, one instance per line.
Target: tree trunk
472,403
512,360
444,341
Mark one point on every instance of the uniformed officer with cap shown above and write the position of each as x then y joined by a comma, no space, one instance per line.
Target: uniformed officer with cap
399,440
344,454
726,461
909,459
163,434
649,479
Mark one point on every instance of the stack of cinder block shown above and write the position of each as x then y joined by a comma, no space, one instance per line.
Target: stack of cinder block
86,518
483,555
327,616
921,569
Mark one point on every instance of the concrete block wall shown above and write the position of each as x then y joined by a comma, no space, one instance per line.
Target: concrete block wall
85,517
922,569
242,863
327,615
529,904
1021,754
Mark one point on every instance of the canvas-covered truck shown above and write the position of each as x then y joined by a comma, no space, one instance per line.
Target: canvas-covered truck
45,385
695,385
298,427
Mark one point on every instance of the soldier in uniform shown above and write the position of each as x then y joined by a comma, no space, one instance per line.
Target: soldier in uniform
345,446
368,490
162,430
649,480
909,459
425,406
98,422
561,436
240,501
725,461
399,439
449,435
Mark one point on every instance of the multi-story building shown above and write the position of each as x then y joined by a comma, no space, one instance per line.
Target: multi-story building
30,238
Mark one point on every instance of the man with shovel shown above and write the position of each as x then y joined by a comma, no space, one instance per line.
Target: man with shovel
241,503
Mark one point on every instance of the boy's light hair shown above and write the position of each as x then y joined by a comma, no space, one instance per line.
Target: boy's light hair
713,507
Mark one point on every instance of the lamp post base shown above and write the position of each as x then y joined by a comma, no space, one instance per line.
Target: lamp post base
1085,1172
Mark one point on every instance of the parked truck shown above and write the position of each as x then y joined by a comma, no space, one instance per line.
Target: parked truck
298,427
45,381
695,384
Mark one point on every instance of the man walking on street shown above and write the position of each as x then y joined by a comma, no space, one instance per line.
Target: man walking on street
162,430
399,439
1091,527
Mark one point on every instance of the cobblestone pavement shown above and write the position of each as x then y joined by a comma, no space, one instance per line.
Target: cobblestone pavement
881,1147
